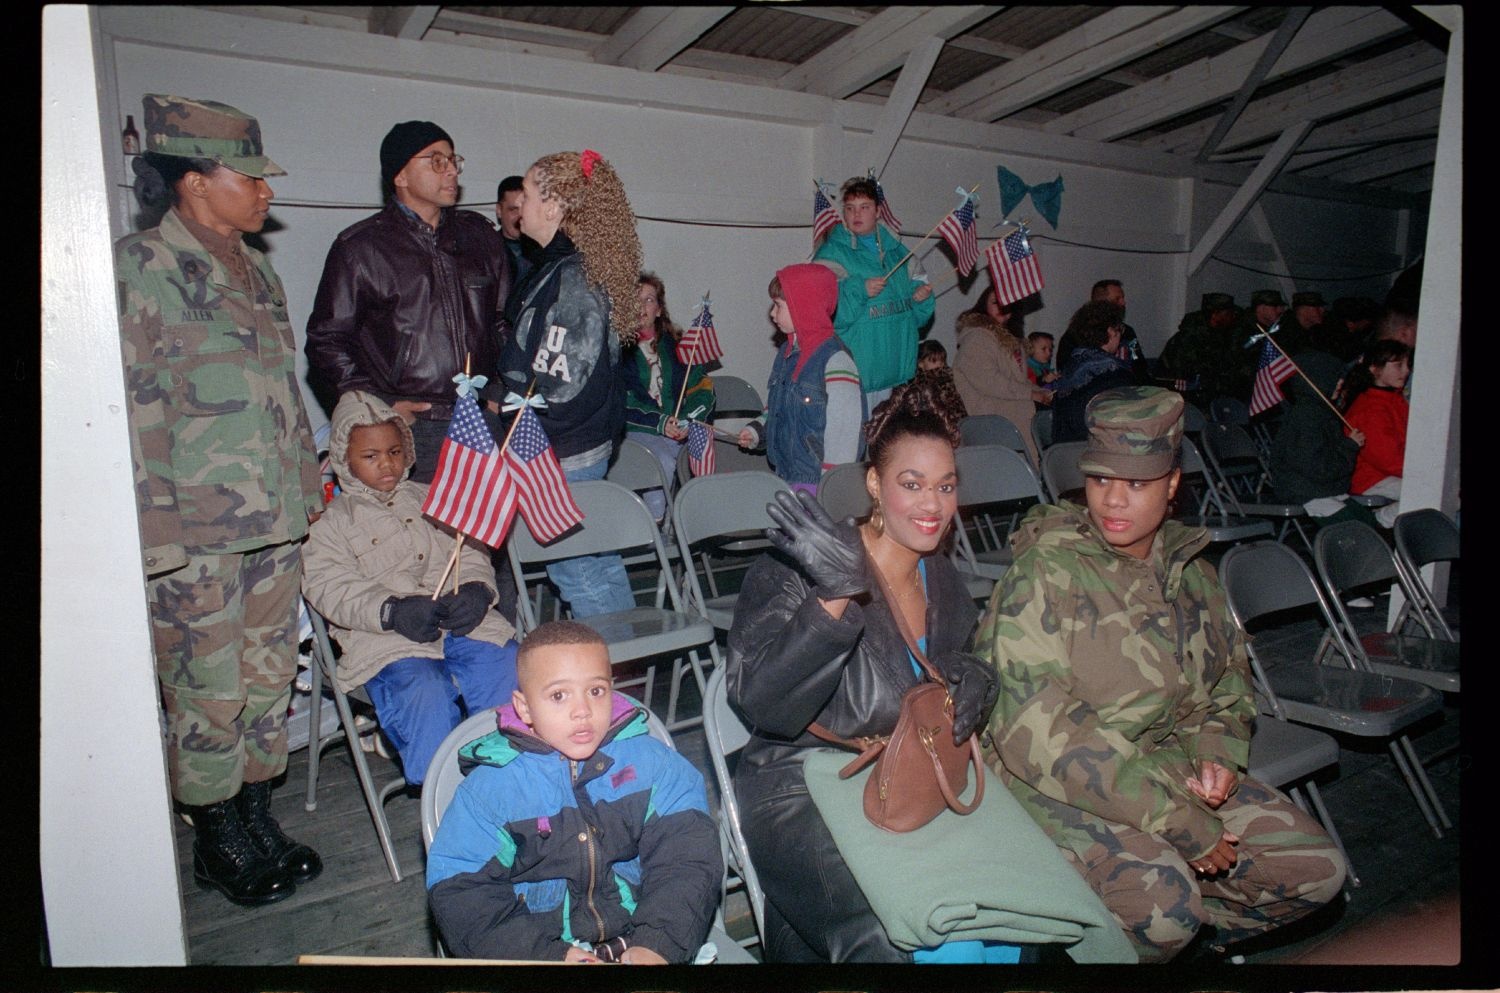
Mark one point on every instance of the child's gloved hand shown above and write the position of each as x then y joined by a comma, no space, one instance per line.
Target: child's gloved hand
417,618
466,608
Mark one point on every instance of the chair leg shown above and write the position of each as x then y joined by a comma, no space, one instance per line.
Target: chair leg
1420,772
375,801
314,742
1414,787
1321,813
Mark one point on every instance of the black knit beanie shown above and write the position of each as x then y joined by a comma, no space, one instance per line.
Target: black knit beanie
402,142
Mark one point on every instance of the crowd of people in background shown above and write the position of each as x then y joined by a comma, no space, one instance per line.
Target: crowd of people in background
554,311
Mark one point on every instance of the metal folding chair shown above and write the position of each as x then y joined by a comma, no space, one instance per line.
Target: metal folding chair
733,397
1265,578
990,475
1060,470
1041,428
325,665
1241,473
721,514
1351,556
842,492
1212,513
1424,537
615,520
991,429
726,735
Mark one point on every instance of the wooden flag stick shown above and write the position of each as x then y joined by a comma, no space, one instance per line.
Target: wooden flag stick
924,238
688,368
1272,339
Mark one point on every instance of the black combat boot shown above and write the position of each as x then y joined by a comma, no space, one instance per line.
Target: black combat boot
225,858
301,862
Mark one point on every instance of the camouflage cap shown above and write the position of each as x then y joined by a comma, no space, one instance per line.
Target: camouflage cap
1134,433
1311,298
204,129
1217,301
1268,298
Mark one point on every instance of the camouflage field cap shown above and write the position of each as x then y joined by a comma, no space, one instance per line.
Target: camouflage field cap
1311,298
204,129
1217,301
1268,298
1134,433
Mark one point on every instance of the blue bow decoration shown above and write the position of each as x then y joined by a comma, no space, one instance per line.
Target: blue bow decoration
470,384
515,401
1046,197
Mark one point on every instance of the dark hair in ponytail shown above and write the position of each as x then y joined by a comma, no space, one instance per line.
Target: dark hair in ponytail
928,406
156,177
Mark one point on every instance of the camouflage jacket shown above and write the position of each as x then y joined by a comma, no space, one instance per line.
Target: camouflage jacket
219,439
1117,677
1216,355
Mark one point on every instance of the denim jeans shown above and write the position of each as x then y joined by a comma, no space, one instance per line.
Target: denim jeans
417,701
592,584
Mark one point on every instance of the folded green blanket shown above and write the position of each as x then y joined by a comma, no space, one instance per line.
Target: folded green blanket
991,875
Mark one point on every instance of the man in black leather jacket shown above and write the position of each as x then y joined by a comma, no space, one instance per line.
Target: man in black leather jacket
412,294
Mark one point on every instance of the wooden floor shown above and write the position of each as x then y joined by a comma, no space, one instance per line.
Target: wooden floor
1410,879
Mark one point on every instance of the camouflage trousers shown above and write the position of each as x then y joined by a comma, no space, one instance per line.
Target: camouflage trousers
1287,868
225,633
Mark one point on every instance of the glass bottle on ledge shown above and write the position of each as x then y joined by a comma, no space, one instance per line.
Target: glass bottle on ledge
130,138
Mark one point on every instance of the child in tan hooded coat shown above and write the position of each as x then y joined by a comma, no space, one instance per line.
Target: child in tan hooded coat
371,565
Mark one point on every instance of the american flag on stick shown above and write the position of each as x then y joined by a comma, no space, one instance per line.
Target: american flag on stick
957,229
883,207
825,218
541,489
700,444
700,342
1013,267
1273,369
469,490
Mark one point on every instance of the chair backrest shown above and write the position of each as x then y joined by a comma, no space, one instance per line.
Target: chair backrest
842,492
994,474
733,397
635,468
990,429
1193,419
1351,553
1426,535
1235,461
444,775
1228,410
1060,467
615,520
723,503
728,457
727,734
1041,428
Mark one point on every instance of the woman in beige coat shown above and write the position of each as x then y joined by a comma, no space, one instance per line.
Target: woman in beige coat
990,369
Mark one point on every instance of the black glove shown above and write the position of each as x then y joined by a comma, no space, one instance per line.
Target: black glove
414,617
831,554
467,607
973,687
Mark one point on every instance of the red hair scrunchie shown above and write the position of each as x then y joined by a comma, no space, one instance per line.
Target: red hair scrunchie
586,162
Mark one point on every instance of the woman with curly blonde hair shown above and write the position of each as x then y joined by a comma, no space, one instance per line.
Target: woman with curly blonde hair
569,317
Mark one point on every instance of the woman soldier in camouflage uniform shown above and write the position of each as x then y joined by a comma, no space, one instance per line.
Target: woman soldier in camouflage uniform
1123,723
226,483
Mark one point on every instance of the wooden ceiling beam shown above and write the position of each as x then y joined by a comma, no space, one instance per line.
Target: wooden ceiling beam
402,22
653,36
1328,34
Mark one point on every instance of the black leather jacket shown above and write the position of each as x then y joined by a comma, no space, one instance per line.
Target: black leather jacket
790,663
400,306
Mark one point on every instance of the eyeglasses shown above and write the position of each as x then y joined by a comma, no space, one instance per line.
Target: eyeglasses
441,162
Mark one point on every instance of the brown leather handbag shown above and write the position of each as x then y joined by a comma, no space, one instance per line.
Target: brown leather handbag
919,772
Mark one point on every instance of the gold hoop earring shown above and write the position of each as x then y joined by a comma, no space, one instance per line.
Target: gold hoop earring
877,519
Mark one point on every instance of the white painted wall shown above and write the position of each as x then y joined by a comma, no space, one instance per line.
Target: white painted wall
325,125
108,861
